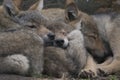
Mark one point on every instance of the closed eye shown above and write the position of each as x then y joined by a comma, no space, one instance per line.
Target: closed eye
93,36
32,26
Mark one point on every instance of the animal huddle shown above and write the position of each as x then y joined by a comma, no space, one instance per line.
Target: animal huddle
72,43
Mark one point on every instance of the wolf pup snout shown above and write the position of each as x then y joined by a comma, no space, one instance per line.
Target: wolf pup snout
49,39
51,36
59,42
63,43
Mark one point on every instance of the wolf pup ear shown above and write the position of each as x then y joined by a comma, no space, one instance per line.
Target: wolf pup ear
71,11
10,8
17,2
37,6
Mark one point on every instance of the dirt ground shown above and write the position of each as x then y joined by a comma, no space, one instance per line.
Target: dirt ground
16,77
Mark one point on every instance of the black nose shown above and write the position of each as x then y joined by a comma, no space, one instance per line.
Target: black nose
59,42
51,36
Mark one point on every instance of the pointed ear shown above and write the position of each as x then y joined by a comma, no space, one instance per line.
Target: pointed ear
37,6
71,11
10,8
17,2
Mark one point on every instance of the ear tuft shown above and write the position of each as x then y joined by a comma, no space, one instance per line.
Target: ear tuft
17,3
37,6
71,12
40,5
10,8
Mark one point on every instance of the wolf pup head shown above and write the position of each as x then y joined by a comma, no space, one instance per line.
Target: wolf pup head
31,18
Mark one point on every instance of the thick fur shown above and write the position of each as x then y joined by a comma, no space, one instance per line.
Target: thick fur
16,63
101,40
109,29
13,18
98,48
26,43
64,25
93,42
21,33
68,61
53,13
100,35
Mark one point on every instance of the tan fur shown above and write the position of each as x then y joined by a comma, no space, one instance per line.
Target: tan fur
17,2
53,13
93,40
74,18
75,23
112,33
92,35
101,27
90,70
63,62
34,6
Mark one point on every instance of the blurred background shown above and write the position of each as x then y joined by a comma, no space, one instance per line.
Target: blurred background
89,6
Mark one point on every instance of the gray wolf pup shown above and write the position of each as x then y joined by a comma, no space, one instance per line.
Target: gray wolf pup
22,37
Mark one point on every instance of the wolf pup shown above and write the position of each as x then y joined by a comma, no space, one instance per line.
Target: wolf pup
22,35
101,40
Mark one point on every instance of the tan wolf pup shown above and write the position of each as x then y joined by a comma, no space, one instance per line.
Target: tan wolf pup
66,60
100,31
71,57
93,42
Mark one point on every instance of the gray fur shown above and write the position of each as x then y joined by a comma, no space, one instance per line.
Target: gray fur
26,43
69,61
16,39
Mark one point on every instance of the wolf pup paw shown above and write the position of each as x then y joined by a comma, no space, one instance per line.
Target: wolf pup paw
87,73
102,72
